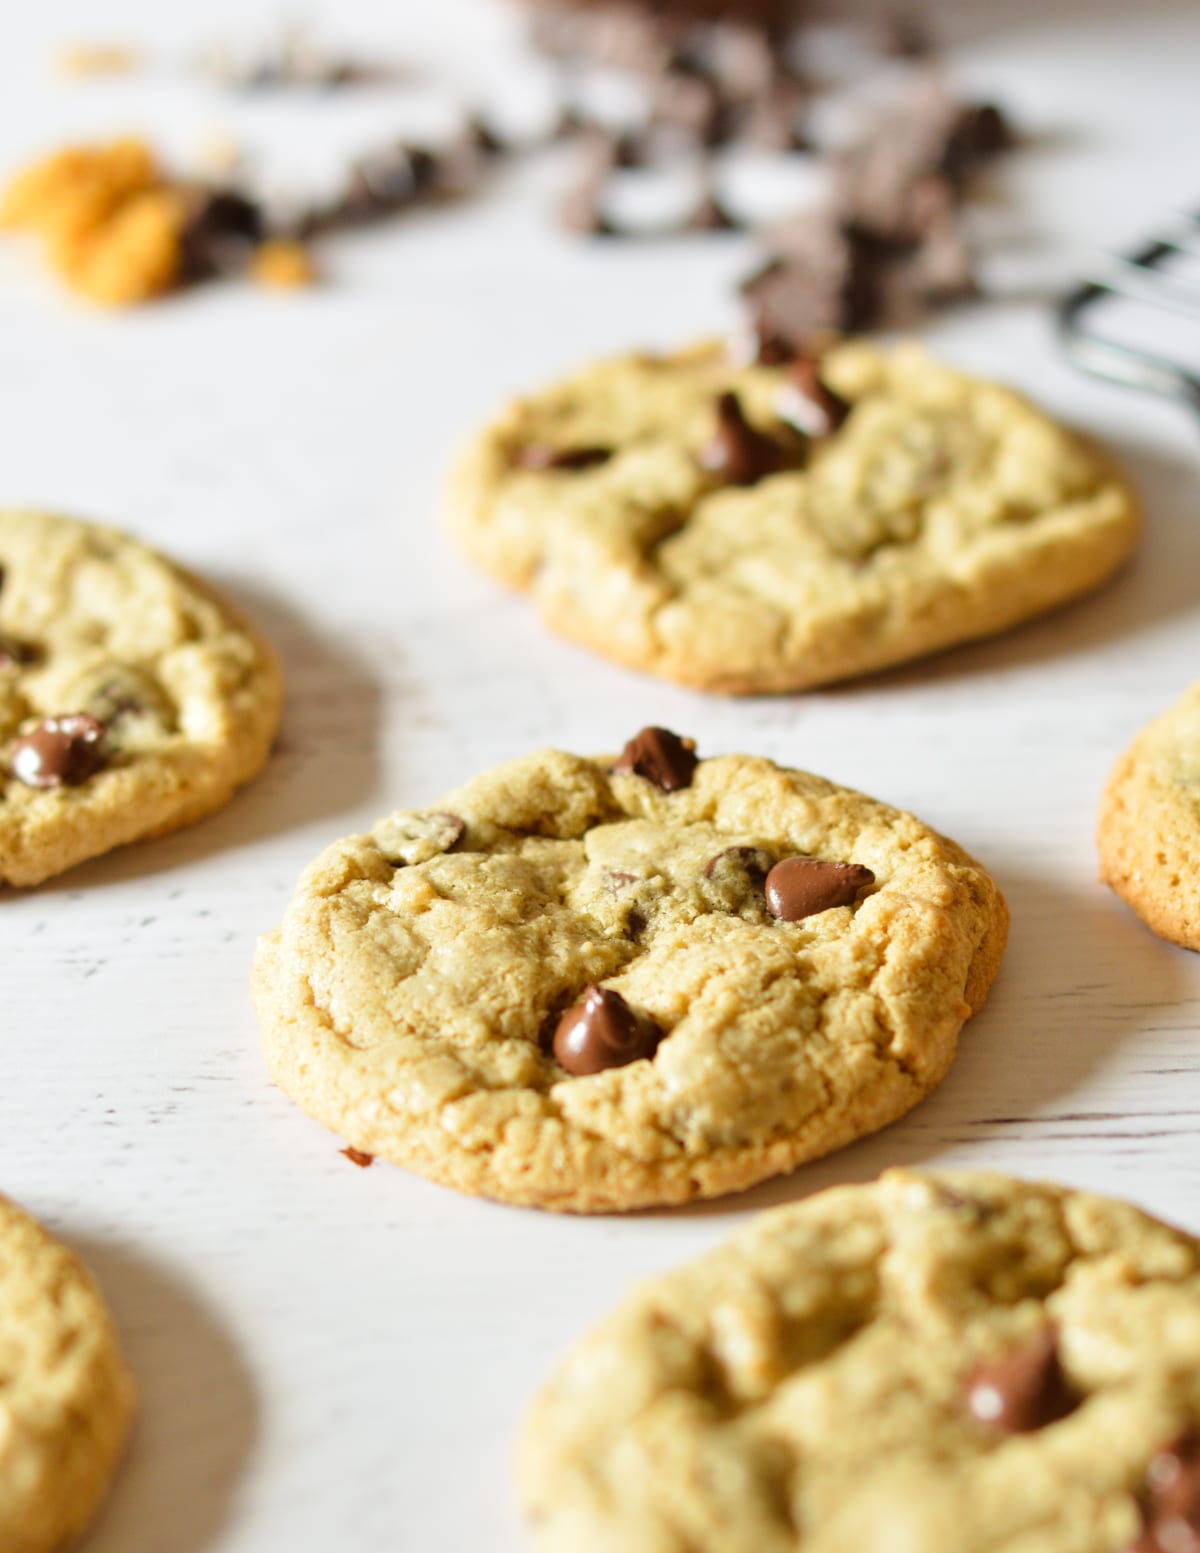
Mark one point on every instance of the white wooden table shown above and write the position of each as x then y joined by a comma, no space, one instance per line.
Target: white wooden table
332,1357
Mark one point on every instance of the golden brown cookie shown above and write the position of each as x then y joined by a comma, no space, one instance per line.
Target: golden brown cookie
66,1397
132,699
929,1364
588,986
757,528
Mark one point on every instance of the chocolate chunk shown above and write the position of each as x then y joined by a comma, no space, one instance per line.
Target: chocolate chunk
773,122
801,887
479,136
539,455
710,215
806,403
407,839
739,452
221,232
1024,1389
978,131
691,104
660,756
750,864
905,35
602,1032
821,281
59,752
357,1157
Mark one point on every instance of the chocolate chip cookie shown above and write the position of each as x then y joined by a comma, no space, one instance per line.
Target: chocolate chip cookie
927,1363
748,528
66,1397
597,984
132,700
1149,832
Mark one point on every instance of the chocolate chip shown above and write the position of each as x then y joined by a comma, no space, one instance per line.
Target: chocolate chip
478,135
801,887
773,120
660,756
1171,1504
602,1032
221,232
751,864
59,752
1024,1389
710,215
407,839
739,452
821,281
357,1157
539,455
806,403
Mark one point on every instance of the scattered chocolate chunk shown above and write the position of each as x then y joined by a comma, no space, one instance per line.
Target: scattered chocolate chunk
479,135
1171,1502
905,35
806,403
660,756
1024,1389
357,1157
773,120
58,752
801,887
977,132
410,838
739,452
602,1032
750,864
690,103
820,281
221,233
711,215
539,455
941,269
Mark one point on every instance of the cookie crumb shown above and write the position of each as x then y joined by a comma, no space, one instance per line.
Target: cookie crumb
283,265
80,60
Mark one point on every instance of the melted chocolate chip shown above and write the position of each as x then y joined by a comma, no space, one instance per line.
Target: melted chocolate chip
15,654
801,887
539,455
602,1032
739,452
59,752
807,403
1024,1389
660,756
749,863
1171,1502
221,233
357,1157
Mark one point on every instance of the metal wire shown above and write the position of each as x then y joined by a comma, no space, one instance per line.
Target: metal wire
1137,277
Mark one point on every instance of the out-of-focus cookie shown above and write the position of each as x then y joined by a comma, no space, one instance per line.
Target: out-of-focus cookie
588,985
928,1364
1149,831
749,528
66,1397
132,700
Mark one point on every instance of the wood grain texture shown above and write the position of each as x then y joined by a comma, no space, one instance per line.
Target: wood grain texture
336,1357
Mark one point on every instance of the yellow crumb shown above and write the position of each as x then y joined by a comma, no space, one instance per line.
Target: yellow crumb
282,264
111,224
88,59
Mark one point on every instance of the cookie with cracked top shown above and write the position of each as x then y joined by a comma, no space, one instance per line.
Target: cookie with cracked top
692,516
951,1363
1149,829
67,1397
132,699
602,984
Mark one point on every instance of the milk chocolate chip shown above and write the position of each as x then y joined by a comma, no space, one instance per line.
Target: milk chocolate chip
602,1032
739,452
1171,1504
660,756
407,839
59,752
538,455
806,403
802,886
1024,1389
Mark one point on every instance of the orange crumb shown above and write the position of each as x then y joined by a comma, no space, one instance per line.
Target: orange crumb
282,264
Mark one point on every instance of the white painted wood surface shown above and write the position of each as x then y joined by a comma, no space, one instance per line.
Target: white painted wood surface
332,1357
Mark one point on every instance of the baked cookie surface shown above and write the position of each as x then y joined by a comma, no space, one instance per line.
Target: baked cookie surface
582,988
132,701
720,545
928,1363
66,1397
1149,829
